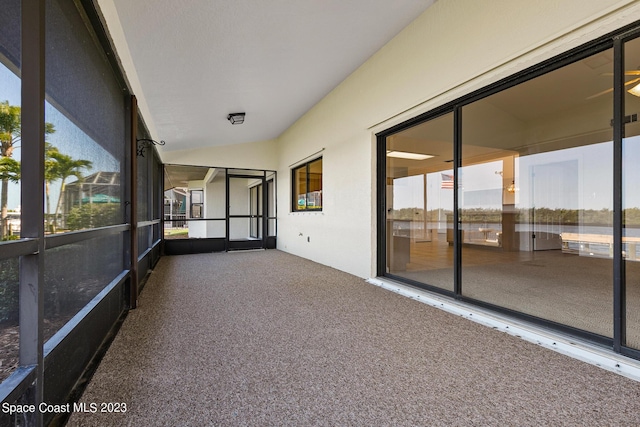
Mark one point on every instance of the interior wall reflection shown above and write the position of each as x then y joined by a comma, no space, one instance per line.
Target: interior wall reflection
631,194
535,196
420,203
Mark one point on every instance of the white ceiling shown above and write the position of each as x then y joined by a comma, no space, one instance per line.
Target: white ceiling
192,62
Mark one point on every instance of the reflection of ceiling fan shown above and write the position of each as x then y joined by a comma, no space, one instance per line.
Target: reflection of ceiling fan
635,90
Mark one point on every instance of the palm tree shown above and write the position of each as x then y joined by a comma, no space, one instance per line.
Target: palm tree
9,128
49,177
10,135
10,169
65,167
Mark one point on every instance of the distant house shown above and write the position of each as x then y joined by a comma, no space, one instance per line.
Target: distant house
175,207
100,187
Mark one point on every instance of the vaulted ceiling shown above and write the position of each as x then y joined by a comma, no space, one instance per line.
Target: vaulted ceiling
192,62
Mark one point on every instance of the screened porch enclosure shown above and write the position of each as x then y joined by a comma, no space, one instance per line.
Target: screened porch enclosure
520,198
212,209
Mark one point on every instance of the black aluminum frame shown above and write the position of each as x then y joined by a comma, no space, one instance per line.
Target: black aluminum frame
614,40
32,199
72,353
294,201
271,238
255,202
148,257
262,219
224,244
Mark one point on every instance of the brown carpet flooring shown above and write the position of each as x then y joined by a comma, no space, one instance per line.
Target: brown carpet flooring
565,288
267,338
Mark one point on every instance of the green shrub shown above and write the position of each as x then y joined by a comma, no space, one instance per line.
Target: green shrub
93,215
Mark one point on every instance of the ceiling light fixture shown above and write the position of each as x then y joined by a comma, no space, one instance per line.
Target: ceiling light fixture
236,118
635,90
410,156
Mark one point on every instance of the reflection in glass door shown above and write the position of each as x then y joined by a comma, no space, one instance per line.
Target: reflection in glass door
535,197
546,200
419,203
552,191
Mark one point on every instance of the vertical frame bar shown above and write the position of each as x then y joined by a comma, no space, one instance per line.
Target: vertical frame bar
265,209
159,189
133,204
160,208
275,206
619,295
32,196
226,215
381,209
150,197
457,235
163,173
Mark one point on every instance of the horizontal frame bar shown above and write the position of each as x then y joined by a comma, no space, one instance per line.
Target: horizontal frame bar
148,223
195,219
145,253
16,248
58,337
57,240
258,177
220,167
17,383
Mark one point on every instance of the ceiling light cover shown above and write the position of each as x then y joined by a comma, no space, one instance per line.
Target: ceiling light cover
635,90
410,156
236,118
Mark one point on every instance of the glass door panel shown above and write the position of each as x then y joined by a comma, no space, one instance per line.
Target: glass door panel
535,196
420,203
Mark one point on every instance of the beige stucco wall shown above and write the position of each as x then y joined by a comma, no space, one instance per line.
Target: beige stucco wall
455,47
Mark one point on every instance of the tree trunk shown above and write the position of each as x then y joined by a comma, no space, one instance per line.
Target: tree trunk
48,215
59,204
3,203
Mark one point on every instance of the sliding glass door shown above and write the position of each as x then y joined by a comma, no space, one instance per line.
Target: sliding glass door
419,203
522,197
535,197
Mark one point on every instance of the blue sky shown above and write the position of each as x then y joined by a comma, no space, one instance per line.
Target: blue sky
68,138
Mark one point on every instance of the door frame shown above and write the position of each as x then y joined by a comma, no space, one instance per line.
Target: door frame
261,216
